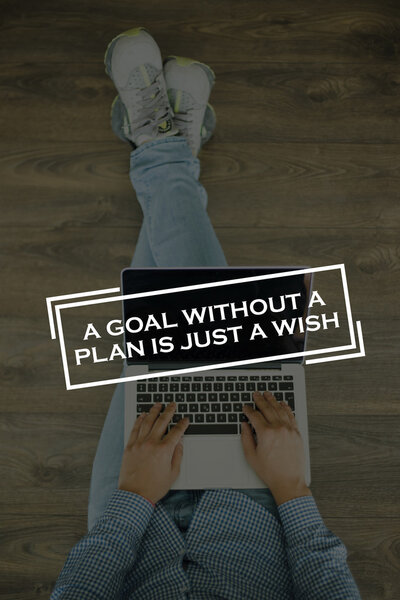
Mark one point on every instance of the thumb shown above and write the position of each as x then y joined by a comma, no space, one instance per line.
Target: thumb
248,442
177,459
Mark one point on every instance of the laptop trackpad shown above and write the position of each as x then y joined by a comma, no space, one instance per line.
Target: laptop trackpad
214,461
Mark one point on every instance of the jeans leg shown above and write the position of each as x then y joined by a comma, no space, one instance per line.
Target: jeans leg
165,176
176,232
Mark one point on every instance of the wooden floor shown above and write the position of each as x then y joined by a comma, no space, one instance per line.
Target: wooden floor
303,169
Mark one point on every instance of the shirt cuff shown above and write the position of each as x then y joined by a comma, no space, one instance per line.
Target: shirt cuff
131,508
299,513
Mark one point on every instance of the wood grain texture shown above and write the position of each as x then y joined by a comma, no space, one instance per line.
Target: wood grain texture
303,169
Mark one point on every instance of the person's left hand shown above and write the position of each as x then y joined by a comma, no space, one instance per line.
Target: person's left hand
151,462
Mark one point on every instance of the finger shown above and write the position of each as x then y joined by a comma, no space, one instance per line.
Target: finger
177,460
248,442
291,416
161,423
284,414
173,437
135,430
266,409
255,418
148,421
273,405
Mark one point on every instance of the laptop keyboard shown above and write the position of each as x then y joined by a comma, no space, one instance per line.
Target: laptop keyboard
213,403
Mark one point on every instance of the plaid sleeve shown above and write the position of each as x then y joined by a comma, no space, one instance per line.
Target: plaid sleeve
97,565
317,558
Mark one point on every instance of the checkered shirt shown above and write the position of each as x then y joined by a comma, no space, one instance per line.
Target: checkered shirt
234,549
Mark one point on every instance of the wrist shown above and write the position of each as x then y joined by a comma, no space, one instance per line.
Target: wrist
284,493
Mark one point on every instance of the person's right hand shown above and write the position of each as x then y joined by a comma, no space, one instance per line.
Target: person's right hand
278,454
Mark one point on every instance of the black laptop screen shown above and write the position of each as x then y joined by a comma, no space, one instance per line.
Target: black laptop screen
234,311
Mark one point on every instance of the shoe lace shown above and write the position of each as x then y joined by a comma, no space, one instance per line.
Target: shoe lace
151,107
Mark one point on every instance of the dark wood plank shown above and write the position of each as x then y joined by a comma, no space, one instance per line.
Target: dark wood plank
32,377
284,185
55,452
371,258
278,102
294,31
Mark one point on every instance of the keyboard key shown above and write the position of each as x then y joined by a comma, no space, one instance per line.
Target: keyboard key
144,398
201,397
221,418
237,407
242,418
232,418
163,387
215,407
272,387
207,387
182,407
180,397
220,378
212,397
186,378
279,396
190,397
193,408
250,386
199,418
174,387
228,387
227,407
246,397
223,397
168,397
210,418
205,408
232,377
277,378
243,377
198,378
217,428
265,377
157,397
254,377
218,387
143,407
288,377
196,387
239,386
289,396
261,386
175,378
185,387
209,378
176,417
286,385
164,378
141,387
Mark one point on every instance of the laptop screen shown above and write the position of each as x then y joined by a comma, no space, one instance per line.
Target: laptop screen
231,307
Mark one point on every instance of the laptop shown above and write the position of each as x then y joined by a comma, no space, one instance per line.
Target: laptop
212,399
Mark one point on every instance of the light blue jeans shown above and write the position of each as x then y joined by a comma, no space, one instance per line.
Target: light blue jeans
176,232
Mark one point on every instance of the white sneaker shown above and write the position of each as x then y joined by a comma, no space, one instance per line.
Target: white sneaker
189,84
133,61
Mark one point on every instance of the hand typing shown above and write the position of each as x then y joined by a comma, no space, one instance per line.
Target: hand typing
278,454
151,462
